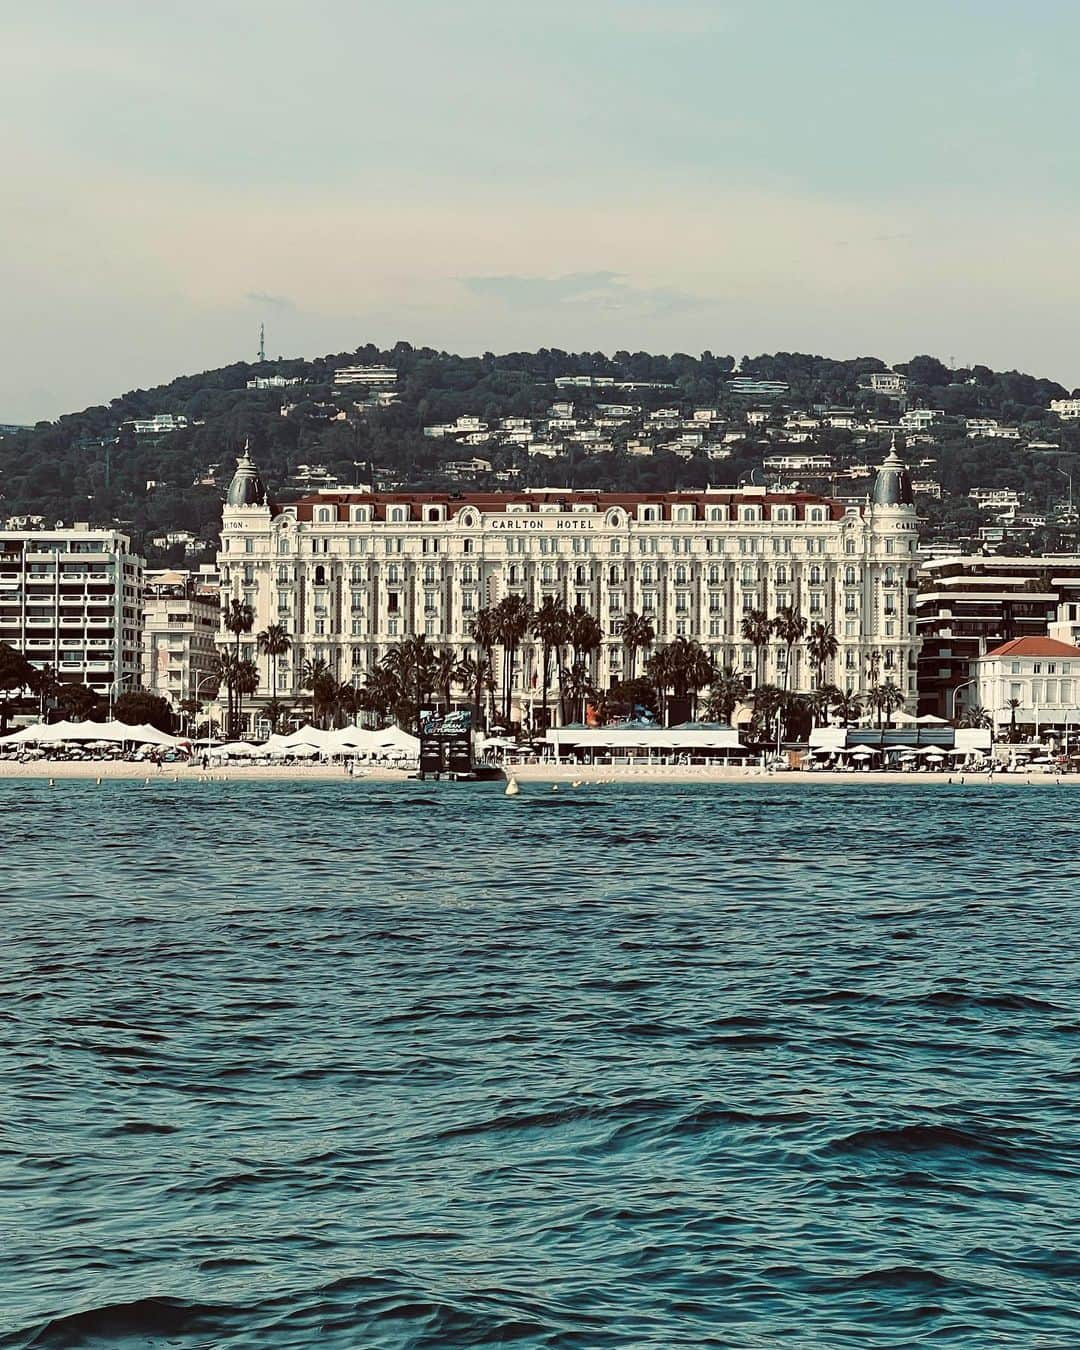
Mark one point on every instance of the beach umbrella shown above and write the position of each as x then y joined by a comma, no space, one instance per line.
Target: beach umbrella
863,750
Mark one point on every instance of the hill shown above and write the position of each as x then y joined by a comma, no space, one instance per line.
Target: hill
157,460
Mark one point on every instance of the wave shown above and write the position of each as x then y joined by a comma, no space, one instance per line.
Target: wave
931,1139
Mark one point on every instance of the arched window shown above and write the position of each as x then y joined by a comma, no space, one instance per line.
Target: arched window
717,513
815,575
320,575
581,575
397,515
684,514
323,515
714,574
849,576
680,575
613,575
816,514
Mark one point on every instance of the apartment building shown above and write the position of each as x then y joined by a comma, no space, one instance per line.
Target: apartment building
72,599
966,606
180,634
351,573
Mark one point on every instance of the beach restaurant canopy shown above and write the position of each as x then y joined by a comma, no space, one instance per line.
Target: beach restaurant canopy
53,733
645,739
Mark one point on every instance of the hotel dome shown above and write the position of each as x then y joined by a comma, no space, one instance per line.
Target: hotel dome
246,488
892,486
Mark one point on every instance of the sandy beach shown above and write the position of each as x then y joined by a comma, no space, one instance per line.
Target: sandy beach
555,774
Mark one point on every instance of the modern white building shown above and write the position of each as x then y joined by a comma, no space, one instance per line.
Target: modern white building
888,382
369,375
73,599
1068,409
1042,676
350,573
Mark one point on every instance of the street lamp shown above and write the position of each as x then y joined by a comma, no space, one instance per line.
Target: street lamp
955,690
209,678
117,684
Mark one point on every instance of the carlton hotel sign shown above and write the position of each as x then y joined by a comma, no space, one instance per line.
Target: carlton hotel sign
551,522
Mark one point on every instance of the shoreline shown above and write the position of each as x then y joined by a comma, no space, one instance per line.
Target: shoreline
553,774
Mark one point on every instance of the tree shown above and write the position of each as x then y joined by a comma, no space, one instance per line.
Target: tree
245,681
977,717
274,641
513,617
482,631
137,707
44,685
584,637
789,626
757,629
77,702
821,647
847,707
885,699
578,687
379,693
411,662
727,690
820,700
447,672
768,702
239,618
476,676
16,672
551,628
317,676
637,635
1013,705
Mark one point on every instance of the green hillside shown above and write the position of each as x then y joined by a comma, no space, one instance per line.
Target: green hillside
88,466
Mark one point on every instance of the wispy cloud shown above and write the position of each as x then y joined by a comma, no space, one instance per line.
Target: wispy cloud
581,290
266,301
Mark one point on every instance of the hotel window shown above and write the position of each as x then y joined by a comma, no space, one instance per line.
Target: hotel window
680,628
320,627
467,546
714,627
468,602
397,515
430,598
392,627
393,573
648,602
283,546
547,574
393,602
781,575
1066,690
514,574
283,576
714,575
849,545
429,575
888,545
467,574
815,575
616,603
357,627
583,599
890,628
890,658
1051,668
750,514
748,658
431,627
429,546
849,605
682,603
715,605
683,514
849,576
615,546
749,601
816,605
851,628
647,572
614,578
357,575
716,513
1038,668
680,575
581,575
357,601
749,575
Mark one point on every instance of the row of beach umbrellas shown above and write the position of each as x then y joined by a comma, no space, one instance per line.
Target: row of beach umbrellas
310,741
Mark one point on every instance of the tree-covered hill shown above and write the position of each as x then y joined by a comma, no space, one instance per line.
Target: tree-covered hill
91,466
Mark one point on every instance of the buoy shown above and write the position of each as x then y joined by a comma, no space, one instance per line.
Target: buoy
51,783
512,788
99,782
576,782
554,787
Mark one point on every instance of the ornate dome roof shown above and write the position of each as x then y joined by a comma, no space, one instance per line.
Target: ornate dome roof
892,486
246,488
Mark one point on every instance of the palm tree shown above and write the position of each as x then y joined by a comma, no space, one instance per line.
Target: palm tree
380,693
637,634
726,692
977,717
317,676
698,671
447,672
885,699
475,675
821,647
578,686
346,702
820,700
551,628
660,672
412,663
513,616
847,707
274,641
1013,705
584,635
238,619
757,629
482,632
768,707
245,681
789,626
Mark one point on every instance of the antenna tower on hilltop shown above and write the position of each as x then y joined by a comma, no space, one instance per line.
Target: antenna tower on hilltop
262,343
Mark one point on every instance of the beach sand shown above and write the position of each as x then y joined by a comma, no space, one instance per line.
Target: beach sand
66,770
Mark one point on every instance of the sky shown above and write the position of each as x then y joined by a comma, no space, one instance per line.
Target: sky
847,177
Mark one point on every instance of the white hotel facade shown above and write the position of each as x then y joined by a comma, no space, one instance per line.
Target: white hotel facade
349,573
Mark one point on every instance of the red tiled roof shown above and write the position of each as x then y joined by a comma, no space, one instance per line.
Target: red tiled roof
1035,646
498,501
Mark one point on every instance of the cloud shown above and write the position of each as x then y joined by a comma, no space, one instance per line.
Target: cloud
279,302
585,290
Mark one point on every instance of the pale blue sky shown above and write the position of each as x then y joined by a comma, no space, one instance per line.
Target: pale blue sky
833,176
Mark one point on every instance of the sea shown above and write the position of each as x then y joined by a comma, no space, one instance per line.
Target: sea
355,1064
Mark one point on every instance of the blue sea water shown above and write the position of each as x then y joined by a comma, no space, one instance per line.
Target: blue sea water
349,1064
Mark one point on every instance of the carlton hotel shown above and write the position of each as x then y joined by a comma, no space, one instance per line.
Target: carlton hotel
350,572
